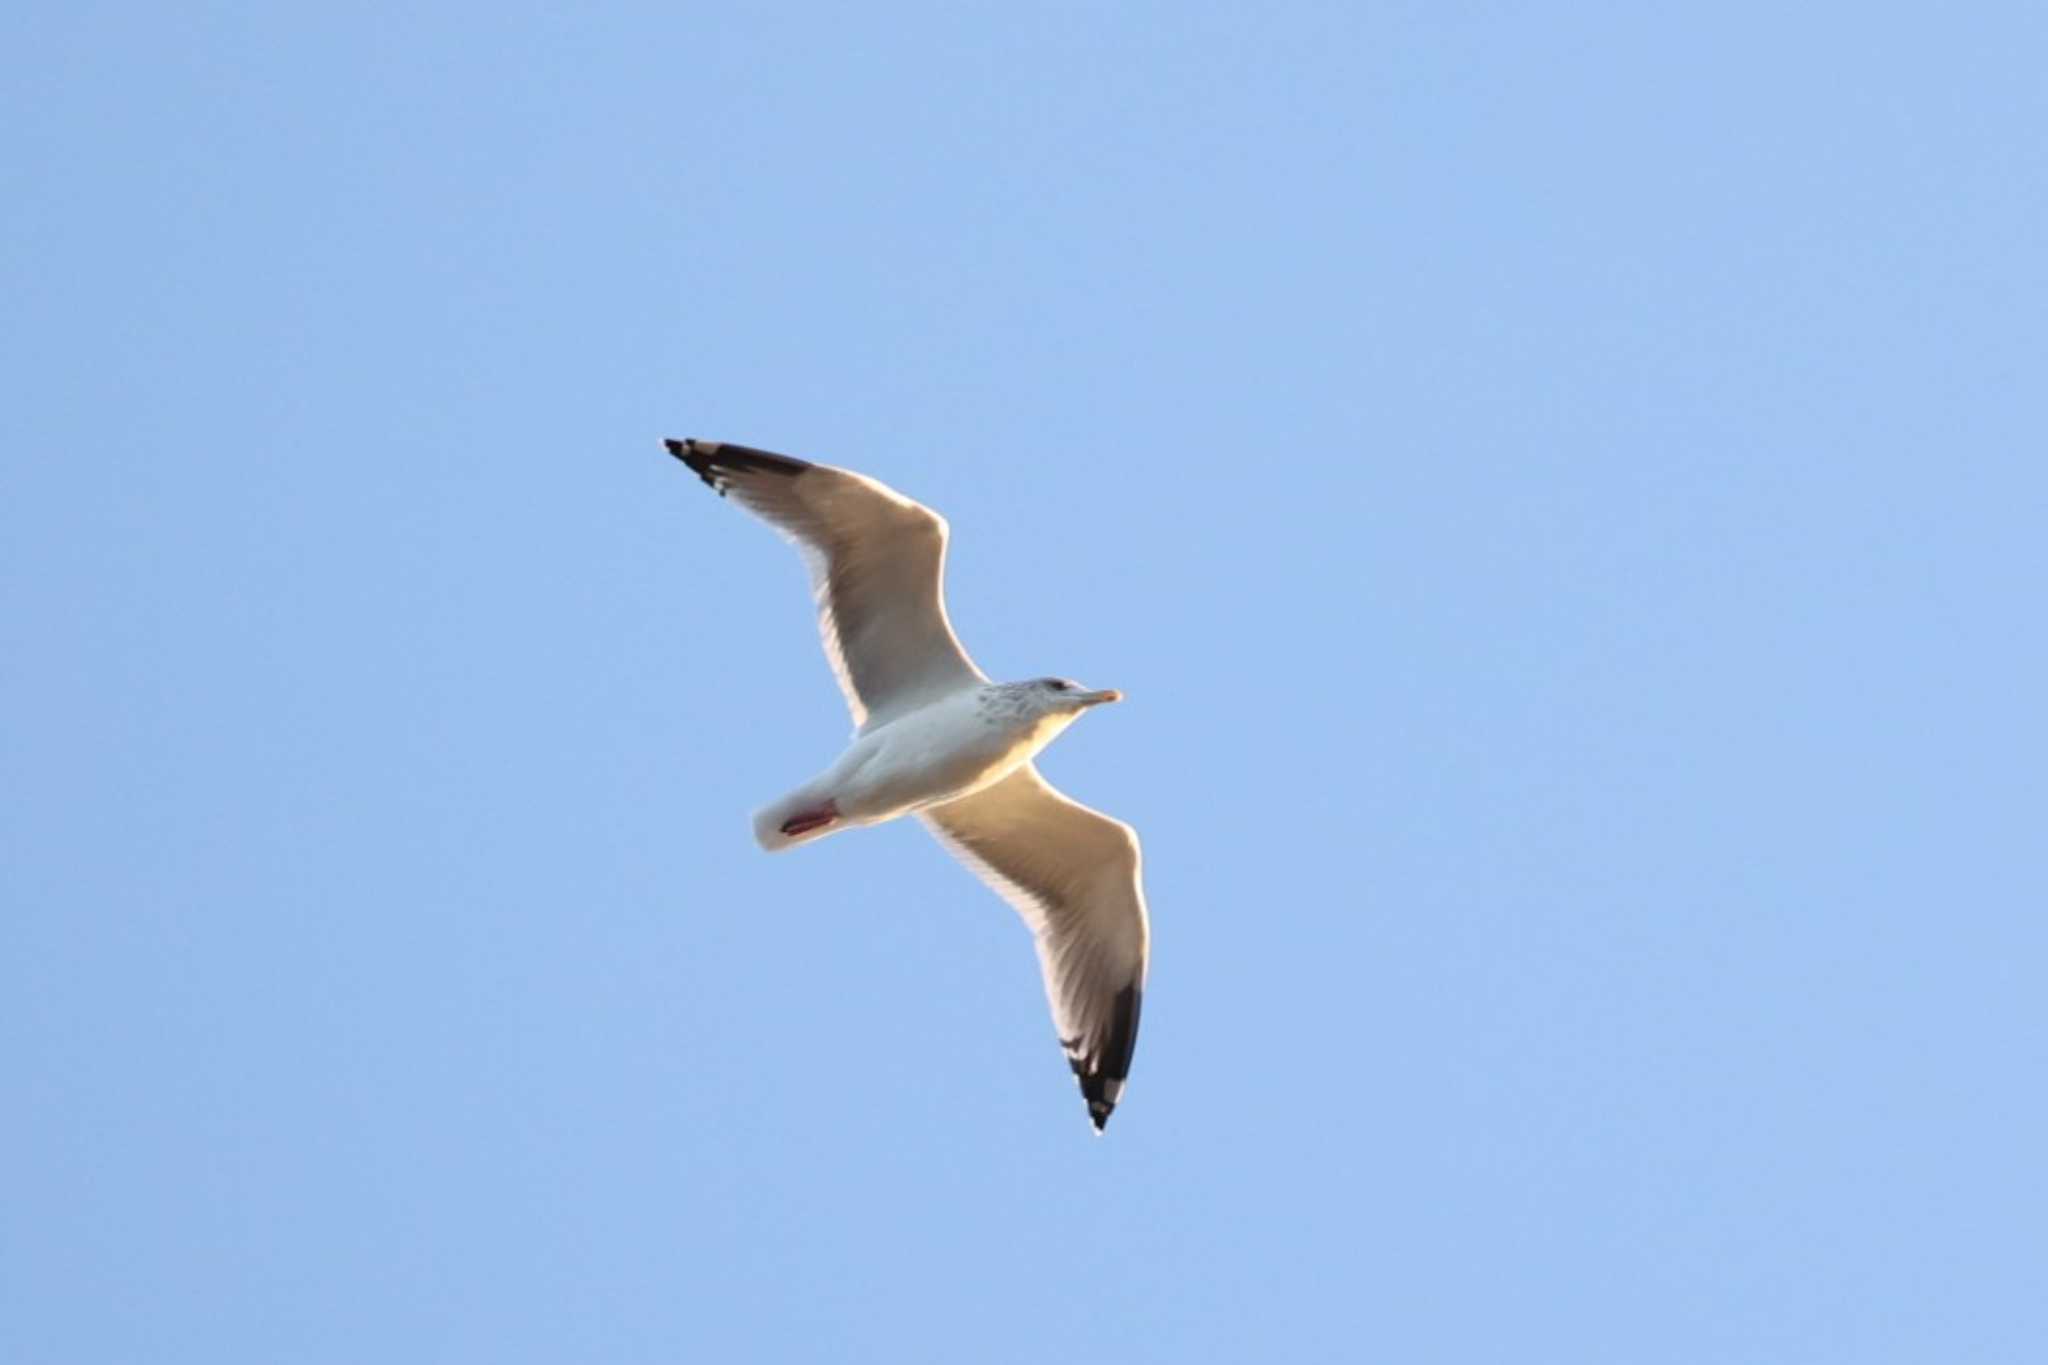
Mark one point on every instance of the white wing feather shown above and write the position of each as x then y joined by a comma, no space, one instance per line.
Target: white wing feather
1074,875
877,562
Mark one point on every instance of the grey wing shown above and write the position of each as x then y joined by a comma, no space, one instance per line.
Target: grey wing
877,562
1074,875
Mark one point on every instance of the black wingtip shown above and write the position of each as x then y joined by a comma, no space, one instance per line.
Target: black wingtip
716,462
697,455
1102,1082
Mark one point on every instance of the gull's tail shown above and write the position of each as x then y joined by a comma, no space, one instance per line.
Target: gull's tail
805,814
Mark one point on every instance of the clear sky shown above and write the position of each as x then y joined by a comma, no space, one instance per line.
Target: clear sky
1562,486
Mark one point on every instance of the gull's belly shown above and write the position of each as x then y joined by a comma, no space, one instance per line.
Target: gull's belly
922,760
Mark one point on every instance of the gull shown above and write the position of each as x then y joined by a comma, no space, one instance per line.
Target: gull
935,738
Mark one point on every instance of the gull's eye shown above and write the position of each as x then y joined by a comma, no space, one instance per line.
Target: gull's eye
1059,685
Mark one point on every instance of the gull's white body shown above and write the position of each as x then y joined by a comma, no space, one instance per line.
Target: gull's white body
937,739
954,745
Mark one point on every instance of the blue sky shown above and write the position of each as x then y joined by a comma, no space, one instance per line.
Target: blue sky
1561,486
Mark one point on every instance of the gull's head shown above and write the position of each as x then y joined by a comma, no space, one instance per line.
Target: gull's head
1064,695
1037,710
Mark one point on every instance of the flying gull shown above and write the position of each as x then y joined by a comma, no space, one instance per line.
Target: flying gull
935,738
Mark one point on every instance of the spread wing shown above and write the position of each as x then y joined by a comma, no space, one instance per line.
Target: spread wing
877,562
1073,874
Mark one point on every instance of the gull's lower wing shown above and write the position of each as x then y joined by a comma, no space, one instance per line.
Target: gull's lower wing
877,562
1073,874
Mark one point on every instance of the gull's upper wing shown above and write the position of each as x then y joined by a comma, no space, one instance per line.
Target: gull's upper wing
877,564
1073,874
